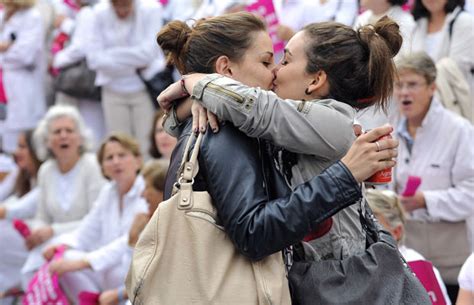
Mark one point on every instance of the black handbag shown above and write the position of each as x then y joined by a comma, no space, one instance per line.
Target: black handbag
78,81
159,82
378,276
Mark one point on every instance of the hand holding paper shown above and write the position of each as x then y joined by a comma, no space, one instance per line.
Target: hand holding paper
412,185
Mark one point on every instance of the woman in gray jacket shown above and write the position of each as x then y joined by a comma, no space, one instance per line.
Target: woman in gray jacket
328,71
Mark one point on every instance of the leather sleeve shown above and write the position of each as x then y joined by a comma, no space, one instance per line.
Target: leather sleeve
230,163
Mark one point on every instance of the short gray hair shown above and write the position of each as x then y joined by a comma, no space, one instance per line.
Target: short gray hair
41,133
418,62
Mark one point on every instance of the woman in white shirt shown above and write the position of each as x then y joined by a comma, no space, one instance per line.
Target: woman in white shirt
98,247
390,213
69,181
466,282
443,29
23,64
436,145
21,204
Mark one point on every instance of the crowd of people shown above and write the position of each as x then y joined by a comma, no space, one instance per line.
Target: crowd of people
86,172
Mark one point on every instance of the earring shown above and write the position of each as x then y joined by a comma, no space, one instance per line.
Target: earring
306,91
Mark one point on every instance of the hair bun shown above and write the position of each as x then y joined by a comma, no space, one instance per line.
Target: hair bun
173,39
390,32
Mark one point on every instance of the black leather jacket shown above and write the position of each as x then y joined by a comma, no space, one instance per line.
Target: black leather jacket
255,207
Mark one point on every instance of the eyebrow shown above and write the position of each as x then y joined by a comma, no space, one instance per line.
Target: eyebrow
288,52
267,52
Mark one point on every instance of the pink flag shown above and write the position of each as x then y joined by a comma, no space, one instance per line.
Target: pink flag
424,272
266,9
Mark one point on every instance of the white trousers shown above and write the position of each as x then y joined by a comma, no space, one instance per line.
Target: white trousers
89,280
130,113
13,254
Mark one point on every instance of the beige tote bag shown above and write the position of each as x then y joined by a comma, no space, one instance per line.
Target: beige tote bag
184,256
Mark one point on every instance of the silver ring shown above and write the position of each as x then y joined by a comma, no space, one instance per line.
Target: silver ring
378,145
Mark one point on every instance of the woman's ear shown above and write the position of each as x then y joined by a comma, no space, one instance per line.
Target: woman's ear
223,66
319,86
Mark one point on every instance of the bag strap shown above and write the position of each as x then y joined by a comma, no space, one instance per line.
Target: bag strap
188,169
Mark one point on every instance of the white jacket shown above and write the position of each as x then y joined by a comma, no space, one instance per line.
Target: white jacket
120,47
443,156
23,67
460,46
103,233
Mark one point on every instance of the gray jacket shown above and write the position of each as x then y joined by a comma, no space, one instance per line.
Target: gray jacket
319,132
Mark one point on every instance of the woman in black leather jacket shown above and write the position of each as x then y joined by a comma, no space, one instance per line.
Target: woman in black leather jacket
257,210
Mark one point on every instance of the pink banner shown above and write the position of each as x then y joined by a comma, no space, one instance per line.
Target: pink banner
266,9
424,272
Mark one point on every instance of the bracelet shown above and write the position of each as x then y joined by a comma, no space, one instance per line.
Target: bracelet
121,294
183,87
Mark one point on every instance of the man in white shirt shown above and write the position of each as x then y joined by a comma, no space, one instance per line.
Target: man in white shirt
123,45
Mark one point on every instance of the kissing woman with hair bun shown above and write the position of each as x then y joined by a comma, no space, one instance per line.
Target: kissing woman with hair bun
259,213
328,72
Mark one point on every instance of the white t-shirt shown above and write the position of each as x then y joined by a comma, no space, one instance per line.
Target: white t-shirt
466,275
432,42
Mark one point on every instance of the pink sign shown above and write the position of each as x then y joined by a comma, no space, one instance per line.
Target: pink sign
266,9
44,288
424,272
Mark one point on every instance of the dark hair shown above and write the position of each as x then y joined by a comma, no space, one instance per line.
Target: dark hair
153,150
398,2
420,11
23,180
358,64
196,49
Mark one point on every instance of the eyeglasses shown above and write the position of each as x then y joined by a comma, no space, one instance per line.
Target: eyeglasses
410,86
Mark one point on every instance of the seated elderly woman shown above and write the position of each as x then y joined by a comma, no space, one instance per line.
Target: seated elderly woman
69,180
97,257
390,213
435,145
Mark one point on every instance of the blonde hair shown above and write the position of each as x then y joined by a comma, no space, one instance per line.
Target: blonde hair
155,172
387,204
20,4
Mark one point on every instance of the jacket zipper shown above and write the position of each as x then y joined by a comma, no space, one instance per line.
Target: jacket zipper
236,97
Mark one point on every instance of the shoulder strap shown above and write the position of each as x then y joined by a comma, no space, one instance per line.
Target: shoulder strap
189,169
451,25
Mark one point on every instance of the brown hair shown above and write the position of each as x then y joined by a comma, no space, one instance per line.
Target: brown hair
153,150
23,180
358,64
196,49
128,142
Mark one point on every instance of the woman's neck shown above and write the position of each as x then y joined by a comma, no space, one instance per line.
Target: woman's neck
9,12
413,125
380,8
125,186
436,22
67,163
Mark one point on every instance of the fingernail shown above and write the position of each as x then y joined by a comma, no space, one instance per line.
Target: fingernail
215,130
195,130
203,129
